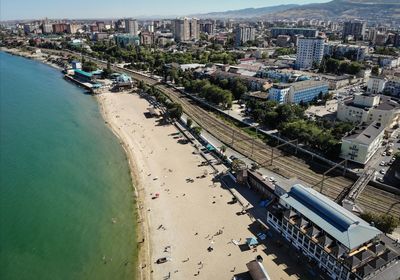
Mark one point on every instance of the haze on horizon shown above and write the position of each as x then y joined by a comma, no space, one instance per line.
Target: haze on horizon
22,9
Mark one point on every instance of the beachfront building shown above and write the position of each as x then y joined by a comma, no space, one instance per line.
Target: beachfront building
367,108
340,243
298,92
362,143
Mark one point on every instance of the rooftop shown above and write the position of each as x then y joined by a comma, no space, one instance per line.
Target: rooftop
366,135
339,223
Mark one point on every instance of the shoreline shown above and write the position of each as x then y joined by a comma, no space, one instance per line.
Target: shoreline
142,226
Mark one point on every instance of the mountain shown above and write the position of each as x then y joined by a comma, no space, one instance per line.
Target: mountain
345,9
247,13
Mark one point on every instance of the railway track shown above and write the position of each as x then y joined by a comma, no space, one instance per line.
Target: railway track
371,199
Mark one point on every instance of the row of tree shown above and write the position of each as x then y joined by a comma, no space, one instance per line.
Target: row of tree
174,109
212,93
339,67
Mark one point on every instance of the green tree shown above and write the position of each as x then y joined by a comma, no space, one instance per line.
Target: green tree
196,130
375,70
189,123
222,149
384,222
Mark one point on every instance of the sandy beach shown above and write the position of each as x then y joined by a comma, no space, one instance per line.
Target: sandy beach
181,223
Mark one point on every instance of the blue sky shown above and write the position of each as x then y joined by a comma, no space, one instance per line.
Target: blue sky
31,9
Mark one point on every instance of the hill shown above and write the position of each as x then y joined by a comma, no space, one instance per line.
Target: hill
247,13
346,9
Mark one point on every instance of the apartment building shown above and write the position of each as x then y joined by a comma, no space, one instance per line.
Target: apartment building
291,31
186,29
362,143
356,29
131,27
310,52
367,108
243,34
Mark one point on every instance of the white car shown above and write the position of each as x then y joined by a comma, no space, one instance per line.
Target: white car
382,171
379,179
382,163
383,154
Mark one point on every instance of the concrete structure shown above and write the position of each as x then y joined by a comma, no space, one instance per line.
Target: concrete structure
186,29
298,92
355,29
376,85
243,34
310,51
290,31
340,243
131,27
283,40
365,108
76,65
362,143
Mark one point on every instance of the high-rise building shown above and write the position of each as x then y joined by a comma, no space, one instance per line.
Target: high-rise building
186,29
355,29
47,27
72,28
131,27
60,28
208,27
243,34
310,51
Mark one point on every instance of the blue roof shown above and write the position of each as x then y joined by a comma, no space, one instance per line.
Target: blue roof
341,224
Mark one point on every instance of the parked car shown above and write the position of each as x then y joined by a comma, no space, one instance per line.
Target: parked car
382,163
382,171
379,179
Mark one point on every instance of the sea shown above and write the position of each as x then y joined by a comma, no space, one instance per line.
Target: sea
66,198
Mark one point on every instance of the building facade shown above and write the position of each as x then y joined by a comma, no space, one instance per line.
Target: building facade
186,29
243,34
366,108
298,92
310,52
355,29
362,143
376,85
131,27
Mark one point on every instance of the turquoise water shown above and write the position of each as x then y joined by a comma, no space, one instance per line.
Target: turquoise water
63,178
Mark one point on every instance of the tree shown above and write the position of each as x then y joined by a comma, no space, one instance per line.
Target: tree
384,222
375,70
197,131
176,111
222,149
189,123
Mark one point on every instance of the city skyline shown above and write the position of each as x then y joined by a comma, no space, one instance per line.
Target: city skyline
22,10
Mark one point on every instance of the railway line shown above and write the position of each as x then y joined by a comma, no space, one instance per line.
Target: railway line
371,199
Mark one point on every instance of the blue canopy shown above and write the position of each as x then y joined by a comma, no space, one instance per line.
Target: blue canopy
251,241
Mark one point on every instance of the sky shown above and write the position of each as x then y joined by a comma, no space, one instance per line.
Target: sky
31,9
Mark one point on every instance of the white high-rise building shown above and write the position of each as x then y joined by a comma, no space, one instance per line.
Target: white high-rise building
131,26
310,51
